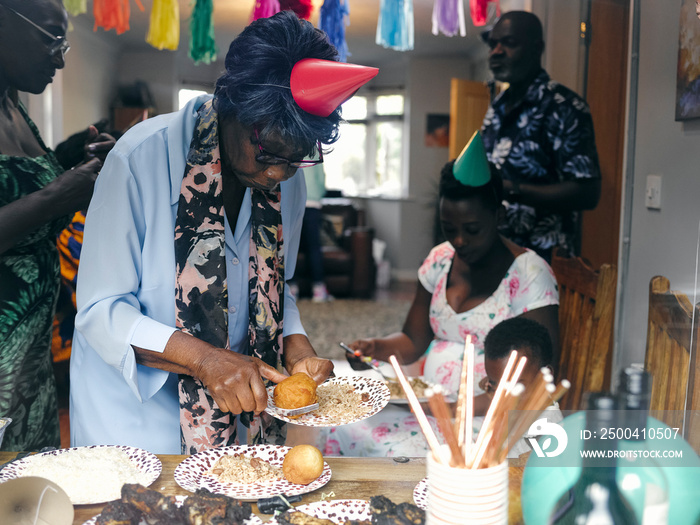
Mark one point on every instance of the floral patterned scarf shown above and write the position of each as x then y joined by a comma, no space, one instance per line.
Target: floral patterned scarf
201,296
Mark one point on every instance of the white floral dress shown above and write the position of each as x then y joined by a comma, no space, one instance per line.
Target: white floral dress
528,284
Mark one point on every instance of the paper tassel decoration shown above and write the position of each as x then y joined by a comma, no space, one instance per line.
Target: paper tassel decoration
395,24
164,29
479,11
320,86
264,9
333,18
75,7
113,14
472,166
448,18
302,8
202,43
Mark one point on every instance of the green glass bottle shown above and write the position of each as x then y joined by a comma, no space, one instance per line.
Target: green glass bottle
595,499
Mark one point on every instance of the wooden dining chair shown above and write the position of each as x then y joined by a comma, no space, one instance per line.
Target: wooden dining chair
586,318
672,339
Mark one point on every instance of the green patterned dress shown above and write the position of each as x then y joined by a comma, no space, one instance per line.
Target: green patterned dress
29,284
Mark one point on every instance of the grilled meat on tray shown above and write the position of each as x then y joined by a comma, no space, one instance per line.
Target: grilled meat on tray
155,508
205,508
296,517
140,504
118,513
385,512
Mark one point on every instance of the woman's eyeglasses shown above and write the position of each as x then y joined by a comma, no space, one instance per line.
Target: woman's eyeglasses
265,157
58,44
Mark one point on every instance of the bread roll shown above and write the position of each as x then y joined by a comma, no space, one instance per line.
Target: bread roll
297,391
302,464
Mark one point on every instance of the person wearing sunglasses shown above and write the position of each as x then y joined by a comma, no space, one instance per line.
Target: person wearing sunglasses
38,197
184,312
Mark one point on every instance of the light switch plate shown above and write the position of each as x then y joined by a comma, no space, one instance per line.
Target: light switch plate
653,192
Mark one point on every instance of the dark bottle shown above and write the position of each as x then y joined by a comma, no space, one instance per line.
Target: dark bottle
639,476
595,498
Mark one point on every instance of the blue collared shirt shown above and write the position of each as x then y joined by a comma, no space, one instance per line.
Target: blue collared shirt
126,286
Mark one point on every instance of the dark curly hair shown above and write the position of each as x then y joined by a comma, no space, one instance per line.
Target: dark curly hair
519,333
255,87
490,194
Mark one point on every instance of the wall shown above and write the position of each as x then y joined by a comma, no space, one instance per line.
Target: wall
662,241
429,92
561,35
89,78
155,68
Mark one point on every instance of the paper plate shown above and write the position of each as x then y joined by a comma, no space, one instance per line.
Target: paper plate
404,401
146,462
338,510
376,392
420,494
253,520
191,473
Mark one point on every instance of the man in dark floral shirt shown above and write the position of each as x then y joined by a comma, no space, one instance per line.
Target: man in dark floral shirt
539,135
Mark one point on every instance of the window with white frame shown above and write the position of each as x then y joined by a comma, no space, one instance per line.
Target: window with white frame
367,160
184,95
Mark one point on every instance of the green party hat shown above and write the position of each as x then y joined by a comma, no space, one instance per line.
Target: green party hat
472,167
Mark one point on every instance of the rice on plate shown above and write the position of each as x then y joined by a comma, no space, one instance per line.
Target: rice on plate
89,475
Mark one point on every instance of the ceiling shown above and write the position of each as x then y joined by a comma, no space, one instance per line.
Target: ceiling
231,16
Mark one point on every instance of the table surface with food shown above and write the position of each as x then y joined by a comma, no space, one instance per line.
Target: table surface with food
343,478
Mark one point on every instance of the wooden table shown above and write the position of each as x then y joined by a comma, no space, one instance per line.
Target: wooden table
352,478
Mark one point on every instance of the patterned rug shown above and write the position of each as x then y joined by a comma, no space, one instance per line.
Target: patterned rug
347,320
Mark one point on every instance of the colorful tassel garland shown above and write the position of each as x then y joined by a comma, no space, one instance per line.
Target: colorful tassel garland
333,18
302,8
75,7
479,11
264,9
202,42
113,14
395,25
164,29
448,17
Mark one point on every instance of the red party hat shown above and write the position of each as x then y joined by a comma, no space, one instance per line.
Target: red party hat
320,86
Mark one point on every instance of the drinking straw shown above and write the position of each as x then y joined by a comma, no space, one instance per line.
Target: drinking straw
529,416
462,394
499,408
481,448
423,422
481,440
500,434
441,411
562,388
469,416
516,374
535,391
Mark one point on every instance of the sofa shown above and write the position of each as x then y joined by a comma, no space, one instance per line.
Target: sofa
348,263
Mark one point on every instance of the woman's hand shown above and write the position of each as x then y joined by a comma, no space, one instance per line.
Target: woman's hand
318,368
235,381
72,190
362,348
98,144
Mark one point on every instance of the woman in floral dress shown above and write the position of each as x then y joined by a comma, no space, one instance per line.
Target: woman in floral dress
37,200
466,286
